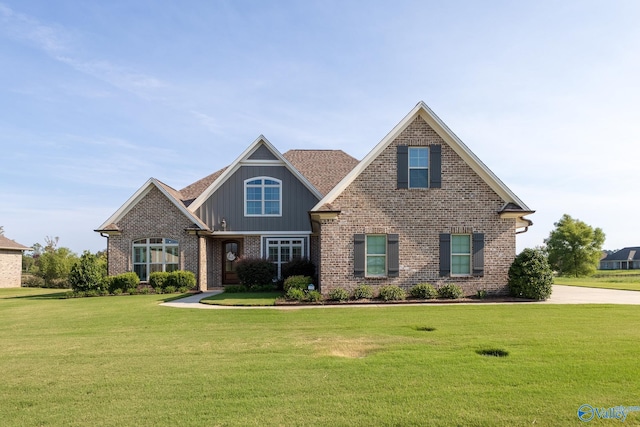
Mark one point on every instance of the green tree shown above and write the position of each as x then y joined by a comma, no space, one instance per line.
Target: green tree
574,247
54,264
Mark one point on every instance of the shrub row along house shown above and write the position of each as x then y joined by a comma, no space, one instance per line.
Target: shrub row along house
420,207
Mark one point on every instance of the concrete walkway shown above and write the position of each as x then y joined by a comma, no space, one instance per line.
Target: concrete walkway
560,295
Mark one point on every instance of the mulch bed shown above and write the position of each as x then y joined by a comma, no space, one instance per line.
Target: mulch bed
466,300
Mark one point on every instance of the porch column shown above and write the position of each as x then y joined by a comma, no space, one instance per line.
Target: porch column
202,263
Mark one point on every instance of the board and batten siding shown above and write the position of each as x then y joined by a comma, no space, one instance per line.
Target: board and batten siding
228,203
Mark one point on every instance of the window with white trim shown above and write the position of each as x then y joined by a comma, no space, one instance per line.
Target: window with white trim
376,255
281,251
460,254
262,197
155,254
418,167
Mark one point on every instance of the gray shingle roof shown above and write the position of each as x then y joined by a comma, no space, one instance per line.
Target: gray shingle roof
323,168
6,243
192,191
625,254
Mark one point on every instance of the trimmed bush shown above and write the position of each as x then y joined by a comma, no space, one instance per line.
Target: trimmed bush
184,289
313,296
235,289
124,281
363,291
423,291
294,294
86,274
338,294
159,279
298,267
450,291
254,272
31,281
169,289
392,293
298,282
182,279
530,275
132,291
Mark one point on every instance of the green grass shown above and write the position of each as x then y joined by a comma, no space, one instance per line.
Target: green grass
128,361
617,279
243,298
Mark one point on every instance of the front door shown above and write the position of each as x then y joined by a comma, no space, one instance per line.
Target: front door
231,250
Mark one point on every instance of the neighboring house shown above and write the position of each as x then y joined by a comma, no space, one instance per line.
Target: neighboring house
420,207
11,262
624,259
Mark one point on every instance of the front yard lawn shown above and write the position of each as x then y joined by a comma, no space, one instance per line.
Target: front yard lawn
243,298
606,280
128,361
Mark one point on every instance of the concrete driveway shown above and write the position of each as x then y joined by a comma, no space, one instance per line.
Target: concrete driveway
560,295
577,295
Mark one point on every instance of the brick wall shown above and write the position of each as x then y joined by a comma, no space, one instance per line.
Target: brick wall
10,268
153,216
373,204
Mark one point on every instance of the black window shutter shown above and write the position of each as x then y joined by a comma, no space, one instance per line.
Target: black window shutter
403,166
478,254
445,254
393,255
435,168
358,255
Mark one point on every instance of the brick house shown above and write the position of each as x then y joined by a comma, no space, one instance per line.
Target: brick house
11,262
420,207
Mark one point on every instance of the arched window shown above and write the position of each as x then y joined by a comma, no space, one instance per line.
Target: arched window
154,254
262,197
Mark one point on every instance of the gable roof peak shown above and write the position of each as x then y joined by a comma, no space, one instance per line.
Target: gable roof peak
422,110
244,158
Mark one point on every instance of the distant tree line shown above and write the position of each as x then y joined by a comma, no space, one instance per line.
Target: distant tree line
50,266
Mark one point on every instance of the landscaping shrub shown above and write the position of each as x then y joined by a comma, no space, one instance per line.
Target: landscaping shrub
158,279
298,267
182,279
235,289
184,289
132,291
423,291
294,294
124,281
117,291
363,291
298,282
169,289
31,281
450,291
86,274
338,294
314,296
530,275
392,293
254,272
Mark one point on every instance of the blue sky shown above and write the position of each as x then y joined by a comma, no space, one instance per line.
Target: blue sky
98,96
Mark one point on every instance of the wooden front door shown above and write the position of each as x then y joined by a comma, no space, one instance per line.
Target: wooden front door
231,250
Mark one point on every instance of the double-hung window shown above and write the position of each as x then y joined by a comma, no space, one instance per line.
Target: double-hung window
376,255
460,254
154,254
418,167
263,197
